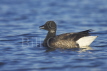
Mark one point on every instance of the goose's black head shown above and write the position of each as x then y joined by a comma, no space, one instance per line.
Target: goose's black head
49,26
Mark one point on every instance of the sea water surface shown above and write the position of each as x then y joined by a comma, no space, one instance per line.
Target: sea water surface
20,36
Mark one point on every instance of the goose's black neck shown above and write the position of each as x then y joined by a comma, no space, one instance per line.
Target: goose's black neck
50,34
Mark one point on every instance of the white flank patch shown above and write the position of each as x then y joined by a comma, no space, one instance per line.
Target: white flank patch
86,41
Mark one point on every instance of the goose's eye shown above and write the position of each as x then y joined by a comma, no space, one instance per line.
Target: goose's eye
51,25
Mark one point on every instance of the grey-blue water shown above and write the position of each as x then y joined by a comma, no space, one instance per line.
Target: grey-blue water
20,36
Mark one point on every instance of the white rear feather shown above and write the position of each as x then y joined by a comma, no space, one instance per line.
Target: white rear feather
86,41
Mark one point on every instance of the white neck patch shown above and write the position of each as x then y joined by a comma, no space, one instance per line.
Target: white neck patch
52,31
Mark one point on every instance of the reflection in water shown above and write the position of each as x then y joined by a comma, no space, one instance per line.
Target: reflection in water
82,49
49,49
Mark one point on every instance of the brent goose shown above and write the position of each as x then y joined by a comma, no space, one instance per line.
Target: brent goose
66,40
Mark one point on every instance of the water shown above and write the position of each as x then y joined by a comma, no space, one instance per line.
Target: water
20,35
